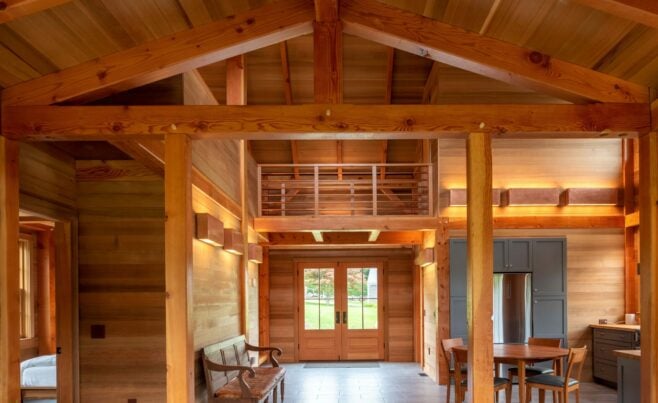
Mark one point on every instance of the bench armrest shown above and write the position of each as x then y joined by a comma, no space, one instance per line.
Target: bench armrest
244,386
272,350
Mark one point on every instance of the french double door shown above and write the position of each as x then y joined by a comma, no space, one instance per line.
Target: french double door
340,311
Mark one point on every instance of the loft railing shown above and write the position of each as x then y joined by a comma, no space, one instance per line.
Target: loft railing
345,189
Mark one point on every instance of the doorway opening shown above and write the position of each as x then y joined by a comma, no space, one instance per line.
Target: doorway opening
47,322
341,309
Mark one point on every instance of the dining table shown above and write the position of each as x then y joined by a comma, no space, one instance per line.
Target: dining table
525,354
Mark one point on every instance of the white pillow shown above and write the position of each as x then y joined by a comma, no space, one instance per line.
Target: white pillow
41,361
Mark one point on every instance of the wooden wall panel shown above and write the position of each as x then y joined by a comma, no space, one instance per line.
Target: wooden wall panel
399,298
219,160
399,307
429,321
539,164
282,305
216,308
121,287
595,279
47,173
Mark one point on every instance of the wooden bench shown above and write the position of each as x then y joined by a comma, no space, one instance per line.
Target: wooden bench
231,378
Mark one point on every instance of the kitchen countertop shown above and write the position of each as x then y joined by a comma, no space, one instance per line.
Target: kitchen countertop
631,354
618,326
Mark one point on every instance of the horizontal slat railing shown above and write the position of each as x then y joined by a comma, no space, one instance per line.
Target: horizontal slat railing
359,189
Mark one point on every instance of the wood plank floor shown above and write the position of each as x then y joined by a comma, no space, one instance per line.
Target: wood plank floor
391,382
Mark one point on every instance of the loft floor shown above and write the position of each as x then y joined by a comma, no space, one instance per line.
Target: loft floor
391,382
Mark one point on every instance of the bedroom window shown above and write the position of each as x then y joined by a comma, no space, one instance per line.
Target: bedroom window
27,259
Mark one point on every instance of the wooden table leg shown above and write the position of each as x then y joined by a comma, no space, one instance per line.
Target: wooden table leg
521,376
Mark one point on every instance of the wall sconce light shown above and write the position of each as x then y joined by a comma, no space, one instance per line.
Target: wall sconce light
233,241
457,197
425,257
591,197
530,197
209,229
255,252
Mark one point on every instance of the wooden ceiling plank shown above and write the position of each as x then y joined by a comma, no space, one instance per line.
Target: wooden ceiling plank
547,222
317,122
14,9
390,66
483,55
196,91
641,11
168,56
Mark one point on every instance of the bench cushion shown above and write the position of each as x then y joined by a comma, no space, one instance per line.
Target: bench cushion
261,385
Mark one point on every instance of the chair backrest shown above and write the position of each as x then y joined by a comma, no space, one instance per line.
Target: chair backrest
576,362
461,361
228,352
447,345
537,341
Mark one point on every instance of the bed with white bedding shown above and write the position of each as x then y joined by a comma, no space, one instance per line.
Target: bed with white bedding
39,379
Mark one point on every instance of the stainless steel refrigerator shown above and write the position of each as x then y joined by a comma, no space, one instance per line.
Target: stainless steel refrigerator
512,307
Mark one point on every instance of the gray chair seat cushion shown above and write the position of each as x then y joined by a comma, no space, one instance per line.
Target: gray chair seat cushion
531,371
550,380
497,382
500,381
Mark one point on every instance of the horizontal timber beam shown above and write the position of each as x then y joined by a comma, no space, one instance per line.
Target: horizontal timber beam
316,122
287,239
426,37
344,223
168,56
548,222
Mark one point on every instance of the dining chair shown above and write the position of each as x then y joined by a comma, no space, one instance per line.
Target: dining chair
461,382
563,385
533,370
446,346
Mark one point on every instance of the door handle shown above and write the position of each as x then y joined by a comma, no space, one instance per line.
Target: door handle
337,318
344,317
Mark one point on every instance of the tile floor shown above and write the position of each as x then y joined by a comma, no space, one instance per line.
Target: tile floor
391,382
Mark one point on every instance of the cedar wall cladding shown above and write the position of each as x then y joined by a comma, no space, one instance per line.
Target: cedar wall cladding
121,287
398,316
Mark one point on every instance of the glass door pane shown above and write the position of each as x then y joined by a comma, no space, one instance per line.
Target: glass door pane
319,299
362,303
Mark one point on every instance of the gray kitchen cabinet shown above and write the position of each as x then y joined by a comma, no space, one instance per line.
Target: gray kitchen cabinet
549,288
544,257
628,374
604,342
519,255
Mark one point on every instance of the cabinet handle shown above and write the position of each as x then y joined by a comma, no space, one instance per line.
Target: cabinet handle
337,318
344,317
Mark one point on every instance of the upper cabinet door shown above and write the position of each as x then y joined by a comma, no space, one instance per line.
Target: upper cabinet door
458,268
549,263
519,255
499,258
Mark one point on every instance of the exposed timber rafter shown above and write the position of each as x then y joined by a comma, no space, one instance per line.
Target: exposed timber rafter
640,11
318,122
168,56
491,57
14,9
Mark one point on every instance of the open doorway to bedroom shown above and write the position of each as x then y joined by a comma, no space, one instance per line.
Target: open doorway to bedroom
47,347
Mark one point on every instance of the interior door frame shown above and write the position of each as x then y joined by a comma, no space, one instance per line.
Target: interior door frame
66,294
381,322
299,292
379,262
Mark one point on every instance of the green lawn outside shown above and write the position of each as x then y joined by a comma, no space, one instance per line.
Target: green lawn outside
356,317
